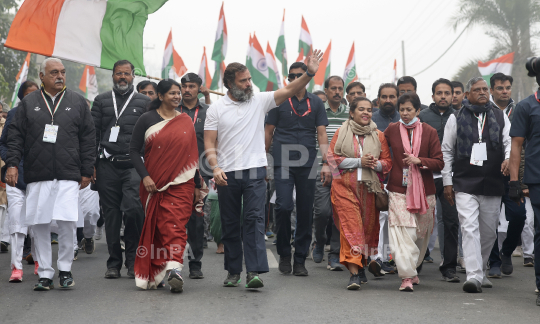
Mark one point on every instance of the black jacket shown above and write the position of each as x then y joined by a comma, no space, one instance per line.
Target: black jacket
4,149
433,118
103,114
73,154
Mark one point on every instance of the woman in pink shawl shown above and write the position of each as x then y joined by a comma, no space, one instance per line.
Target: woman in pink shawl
411,190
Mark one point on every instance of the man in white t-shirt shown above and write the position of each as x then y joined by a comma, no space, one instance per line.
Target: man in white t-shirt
238,162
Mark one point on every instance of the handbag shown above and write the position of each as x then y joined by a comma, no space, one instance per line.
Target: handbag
381,201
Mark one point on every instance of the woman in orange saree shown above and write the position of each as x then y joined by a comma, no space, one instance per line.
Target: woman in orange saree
169,187
359,158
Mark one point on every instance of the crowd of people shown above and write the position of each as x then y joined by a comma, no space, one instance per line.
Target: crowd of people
372,182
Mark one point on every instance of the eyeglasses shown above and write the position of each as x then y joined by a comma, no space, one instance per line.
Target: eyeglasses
121,74
293,76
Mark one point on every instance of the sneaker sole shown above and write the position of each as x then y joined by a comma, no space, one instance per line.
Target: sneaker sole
72,284
471,288
409,289
353,286
375,269
177,285
450,279
494,276
42,288
196,277
255,283
300,274
328,267
231,284
528,265
15,280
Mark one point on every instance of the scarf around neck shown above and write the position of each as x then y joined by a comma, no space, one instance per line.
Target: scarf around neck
345,146
467,126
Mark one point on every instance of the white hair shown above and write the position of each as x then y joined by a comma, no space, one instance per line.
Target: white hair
472,82
47,60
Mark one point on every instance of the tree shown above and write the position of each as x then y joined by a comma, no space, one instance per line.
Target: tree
510,24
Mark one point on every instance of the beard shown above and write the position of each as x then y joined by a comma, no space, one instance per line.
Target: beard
388,108
241,95
123,88
448,105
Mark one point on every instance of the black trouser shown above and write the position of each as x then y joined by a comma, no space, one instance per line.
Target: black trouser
516,217
195,237
119,193
286,179
247,186
451,226
534,193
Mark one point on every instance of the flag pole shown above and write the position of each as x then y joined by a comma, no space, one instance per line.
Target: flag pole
159,79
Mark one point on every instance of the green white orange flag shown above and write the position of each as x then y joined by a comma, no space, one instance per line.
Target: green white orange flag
501,64
21,77
350,68
96,33
220,44
305,42
281,51
204,73
324,67
274,80
257,65
173,66
88,83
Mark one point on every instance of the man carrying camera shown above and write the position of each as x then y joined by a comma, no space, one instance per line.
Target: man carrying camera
115,114
526,127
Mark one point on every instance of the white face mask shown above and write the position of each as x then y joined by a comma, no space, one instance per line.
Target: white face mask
410,123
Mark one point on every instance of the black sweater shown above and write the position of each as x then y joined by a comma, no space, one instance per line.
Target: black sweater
136,145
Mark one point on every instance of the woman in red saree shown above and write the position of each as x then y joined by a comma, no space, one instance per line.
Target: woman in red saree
359,158
168,188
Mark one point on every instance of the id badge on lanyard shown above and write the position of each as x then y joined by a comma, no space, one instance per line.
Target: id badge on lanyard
479,150
115,130
51,130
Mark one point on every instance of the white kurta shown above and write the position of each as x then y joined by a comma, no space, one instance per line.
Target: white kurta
52,200
88,206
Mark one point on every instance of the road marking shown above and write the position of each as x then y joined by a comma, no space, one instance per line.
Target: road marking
272,262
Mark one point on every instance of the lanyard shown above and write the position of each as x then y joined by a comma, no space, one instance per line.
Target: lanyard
55,107
536,96
307,112
125,105
482,123
194,117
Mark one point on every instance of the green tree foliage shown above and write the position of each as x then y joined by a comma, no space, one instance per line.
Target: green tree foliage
510,23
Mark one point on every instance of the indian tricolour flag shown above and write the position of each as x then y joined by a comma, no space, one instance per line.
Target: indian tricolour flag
21,77
220,43
97,33
305,42
281,51
501,64
324,67
173,66
88,83
274,80
257,65
350,69
204,73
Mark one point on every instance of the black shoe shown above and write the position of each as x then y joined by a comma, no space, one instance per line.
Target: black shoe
131,272
175,281
285,265
112,273
4,247
66,279
494,272
419,269
88,245
506,266
362,276
528,262
195,274
232,280
253,280
375,267
44,284
387,268
450,276
472,286
299,269
354,282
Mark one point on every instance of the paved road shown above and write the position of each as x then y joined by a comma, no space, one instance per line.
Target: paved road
319,298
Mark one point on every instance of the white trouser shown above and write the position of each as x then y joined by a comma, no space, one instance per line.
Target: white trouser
383,247
17,246
4,225
42,240
478,217
434,234
408,251
527,236
16,210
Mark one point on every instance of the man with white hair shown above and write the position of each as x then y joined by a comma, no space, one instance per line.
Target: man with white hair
54,132
476,149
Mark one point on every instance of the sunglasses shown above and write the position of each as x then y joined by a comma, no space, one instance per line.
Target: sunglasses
293,76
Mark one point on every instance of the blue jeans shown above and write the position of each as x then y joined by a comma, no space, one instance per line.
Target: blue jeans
248,186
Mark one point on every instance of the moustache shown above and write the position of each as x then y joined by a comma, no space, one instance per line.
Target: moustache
59,81
388,105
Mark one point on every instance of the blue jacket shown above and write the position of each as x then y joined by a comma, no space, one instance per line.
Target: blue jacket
3,149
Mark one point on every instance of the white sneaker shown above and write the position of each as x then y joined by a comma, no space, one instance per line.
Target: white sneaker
99,233
327,248
265,237
518,252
